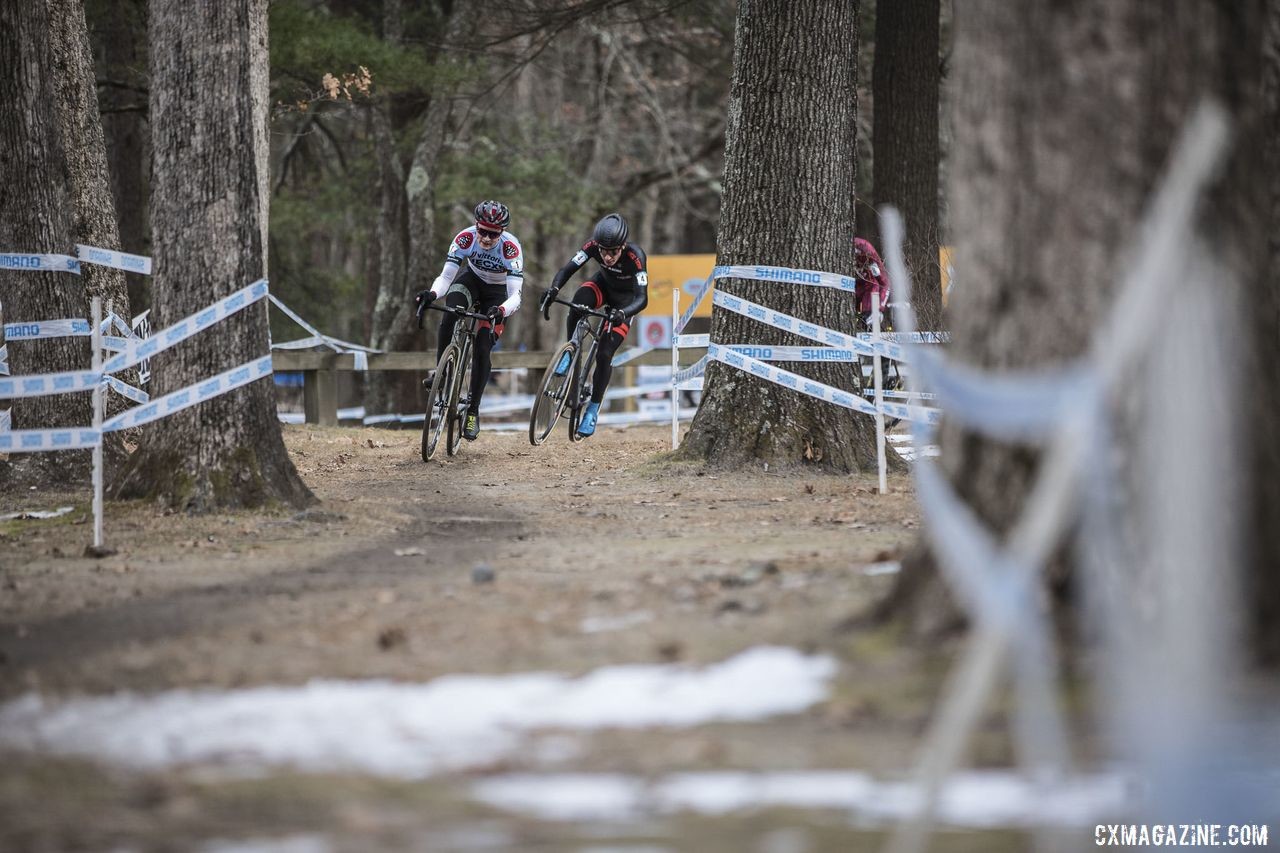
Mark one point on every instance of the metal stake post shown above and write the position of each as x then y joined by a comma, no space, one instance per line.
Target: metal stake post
875,375
98,395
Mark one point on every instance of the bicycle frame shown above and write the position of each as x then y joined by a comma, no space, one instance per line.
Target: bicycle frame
452,399
571,395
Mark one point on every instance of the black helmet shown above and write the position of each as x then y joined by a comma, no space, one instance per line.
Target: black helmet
493,214
611,232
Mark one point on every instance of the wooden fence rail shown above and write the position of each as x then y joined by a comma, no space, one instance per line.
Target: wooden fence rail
319,369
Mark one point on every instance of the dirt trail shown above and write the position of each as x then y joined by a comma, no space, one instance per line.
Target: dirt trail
600,555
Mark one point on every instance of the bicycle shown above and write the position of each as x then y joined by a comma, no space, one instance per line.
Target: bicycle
450,393
573,389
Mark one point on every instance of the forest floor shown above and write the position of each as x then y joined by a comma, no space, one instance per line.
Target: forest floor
601,553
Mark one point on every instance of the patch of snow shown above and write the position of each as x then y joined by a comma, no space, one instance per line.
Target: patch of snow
409,730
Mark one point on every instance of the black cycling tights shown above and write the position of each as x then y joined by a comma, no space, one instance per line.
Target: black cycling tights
482,362
604,365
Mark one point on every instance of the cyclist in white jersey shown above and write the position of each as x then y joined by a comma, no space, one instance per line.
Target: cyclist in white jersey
490,284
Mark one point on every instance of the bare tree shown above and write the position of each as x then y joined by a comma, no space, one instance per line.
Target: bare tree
1064,118
37,216
208,108
905,81
788,201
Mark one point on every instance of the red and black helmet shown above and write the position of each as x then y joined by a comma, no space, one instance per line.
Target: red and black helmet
493,214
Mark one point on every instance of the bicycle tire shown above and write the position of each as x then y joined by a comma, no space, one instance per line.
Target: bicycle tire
552,395
434,424
583,380
457,402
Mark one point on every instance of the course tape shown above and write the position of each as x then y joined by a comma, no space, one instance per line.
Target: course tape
116,260
692,341
805,329
125,390
6,421
115,343
136,351
36,329
787,379
36,263
633,353
185,398
1017,407
4,360
697,300
44,384
698,368
36,440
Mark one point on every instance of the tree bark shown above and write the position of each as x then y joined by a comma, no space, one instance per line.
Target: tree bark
37,216
406,228
208,112
788,201
905,84
88,181
1064,118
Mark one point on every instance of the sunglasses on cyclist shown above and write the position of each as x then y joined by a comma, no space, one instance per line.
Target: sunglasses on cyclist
610,250
487,234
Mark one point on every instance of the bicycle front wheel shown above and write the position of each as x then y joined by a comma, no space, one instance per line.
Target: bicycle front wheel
434,425
551,397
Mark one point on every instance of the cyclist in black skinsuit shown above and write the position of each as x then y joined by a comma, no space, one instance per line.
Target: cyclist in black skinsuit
621,286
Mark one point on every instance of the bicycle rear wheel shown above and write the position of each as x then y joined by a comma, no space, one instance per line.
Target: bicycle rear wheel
552,396
580,394
433,426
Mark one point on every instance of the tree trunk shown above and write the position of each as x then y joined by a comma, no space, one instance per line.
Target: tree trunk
87,173
119,34
1064,120
406,227
208,112
788,201
905,83
36,216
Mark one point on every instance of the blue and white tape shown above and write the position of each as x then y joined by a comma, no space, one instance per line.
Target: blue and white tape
692,341
35,329
805,329
786,275
116,260
37,440
4,360
787,379
136,351
39,263
629,355
697,300
693,371
185,398
6,421
126,390
115,343
45,384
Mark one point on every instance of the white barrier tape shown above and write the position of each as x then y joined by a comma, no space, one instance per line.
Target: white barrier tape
803,328
36,263
787,379
693,341
698,368
917,414
697,300
900,395
361,359
136,351
121,326
4,360
1013,407
633,353
114,259
787,275
125,390
694,384
909,337
115,344
6,421
185,398
44,384
37,329
765,352
37,440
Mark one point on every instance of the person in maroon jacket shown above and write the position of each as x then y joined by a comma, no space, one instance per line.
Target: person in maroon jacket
872,278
